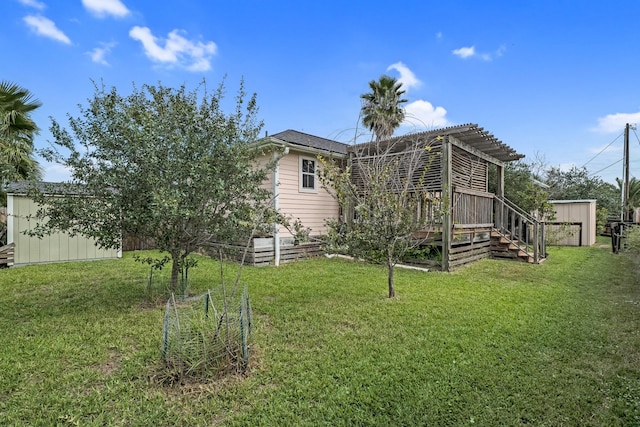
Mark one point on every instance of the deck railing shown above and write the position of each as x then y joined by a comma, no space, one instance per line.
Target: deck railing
526,232
472,208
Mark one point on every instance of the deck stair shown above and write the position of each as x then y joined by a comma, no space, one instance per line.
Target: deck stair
503,246
516,235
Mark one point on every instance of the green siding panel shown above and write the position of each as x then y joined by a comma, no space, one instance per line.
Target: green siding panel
54,248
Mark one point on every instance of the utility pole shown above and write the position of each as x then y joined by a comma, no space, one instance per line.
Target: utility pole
625,188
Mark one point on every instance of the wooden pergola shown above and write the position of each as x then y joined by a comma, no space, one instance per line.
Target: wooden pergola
469,222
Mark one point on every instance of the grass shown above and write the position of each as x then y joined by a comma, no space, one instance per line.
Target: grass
495,343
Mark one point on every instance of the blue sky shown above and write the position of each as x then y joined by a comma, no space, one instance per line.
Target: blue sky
555,80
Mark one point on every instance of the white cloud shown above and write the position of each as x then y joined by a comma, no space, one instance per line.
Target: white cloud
612,123
422,113
98,54
102,8
55,172
407,78
177,50
439,35
470,52
46,27
465,52
33,3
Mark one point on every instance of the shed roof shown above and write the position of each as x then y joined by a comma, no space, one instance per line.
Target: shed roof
559,202
57,188
22,187
311,141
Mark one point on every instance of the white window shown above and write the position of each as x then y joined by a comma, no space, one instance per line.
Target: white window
307,174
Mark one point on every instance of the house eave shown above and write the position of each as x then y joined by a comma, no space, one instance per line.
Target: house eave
270,143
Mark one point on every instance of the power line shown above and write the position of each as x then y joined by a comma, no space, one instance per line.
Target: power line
606,167
602,151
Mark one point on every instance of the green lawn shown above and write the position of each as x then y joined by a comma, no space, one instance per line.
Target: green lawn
495,343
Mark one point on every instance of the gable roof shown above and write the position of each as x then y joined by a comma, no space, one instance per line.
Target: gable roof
305,140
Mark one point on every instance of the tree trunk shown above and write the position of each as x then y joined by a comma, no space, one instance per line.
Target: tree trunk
392,289
175,272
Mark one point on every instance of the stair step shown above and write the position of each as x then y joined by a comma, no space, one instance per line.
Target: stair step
503,246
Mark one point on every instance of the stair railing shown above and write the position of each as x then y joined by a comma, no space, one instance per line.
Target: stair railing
524,231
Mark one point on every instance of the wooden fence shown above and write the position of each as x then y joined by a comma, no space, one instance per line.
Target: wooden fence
261,254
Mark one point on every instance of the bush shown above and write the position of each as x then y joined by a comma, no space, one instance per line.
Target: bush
632,240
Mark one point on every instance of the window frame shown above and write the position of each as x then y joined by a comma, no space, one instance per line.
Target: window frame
302,174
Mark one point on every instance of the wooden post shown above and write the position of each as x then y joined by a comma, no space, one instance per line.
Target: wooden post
500,183
625,189
498,212
447,195
536,239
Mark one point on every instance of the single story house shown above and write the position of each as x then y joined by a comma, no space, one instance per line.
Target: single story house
476,224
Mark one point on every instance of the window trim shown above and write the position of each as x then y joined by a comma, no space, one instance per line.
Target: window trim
301,175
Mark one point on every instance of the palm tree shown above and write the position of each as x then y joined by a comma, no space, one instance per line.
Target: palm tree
17,131
381,111
634,193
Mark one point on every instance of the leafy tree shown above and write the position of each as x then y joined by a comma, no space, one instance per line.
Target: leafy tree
160,162
17,131
382,112
522,187
577,183
634,192
384,192
374,187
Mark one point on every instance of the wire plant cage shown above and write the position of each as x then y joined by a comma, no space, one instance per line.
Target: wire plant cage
207,335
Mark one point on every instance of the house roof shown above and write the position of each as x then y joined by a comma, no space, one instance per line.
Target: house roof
310,141
470,134
473,136
22,187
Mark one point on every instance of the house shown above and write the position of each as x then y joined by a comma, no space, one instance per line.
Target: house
476,223
297,192
57,247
